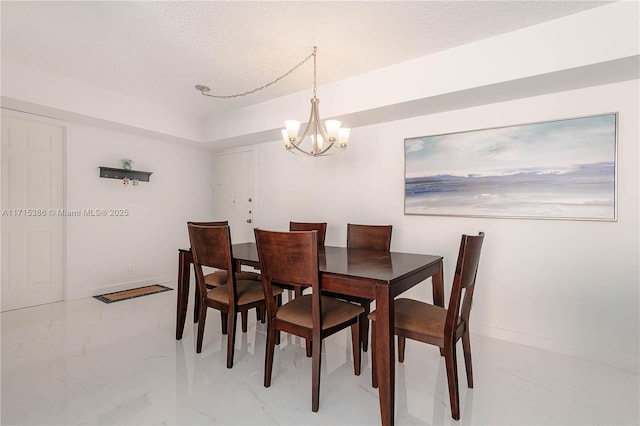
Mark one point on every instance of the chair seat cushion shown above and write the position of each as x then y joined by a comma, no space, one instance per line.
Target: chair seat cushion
249,291
219,278
418,318
334,311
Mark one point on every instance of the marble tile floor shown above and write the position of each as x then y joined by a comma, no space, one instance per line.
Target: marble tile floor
86,362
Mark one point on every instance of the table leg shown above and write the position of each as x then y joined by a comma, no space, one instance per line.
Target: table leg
183,292
437,282
385,357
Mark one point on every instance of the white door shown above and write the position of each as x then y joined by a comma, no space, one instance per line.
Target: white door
234,198
32,226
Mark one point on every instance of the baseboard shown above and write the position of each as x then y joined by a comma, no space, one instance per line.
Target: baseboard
602,355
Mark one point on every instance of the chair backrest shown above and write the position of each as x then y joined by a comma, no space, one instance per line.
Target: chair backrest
289,258
321,227
464,279
218,223
211,246
372,237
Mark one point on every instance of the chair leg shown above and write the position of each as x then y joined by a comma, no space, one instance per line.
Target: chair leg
196,308
401,344
315,362
201,321
374,367
268,357
466,348
355,346
245,319
223,322
452,379
231,337
308,345
364,325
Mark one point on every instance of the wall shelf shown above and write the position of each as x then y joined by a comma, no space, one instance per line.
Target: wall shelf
113,173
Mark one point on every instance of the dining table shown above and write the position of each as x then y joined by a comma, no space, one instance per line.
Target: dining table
371,274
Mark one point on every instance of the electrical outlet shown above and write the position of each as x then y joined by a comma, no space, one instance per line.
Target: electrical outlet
131,270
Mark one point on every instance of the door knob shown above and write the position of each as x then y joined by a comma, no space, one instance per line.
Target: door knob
248,220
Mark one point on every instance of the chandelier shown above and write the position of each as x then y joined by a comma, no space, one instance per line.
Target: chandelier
320,138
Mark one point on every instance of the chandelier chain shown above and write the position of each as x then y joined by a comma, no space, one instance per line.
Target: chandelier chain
315,80
264,86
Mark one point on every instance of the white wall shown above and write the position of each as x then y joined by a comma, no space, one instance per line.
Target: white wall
100,250
567,286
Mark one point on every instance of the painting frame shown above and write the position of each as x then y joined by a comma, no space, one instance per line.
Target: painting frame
560,169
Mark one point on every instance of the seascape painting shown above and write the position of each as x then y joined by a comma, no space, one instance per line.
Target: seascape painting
563,169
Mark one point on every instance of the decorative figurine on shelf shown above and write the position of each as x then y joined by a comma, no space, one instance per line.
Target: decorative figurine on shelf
126,163
126,180
135,182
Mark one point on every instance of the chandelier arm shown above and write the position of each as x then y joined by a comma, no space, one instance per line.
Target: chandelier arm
296,144
319,126
320,130
325,149
297,148
299,151
315,124
310,154
309,124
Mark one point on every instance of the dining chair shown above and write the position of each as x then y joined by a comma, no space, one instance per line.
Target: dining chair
438,326
368,237
218,278
211,246
292,258
321,227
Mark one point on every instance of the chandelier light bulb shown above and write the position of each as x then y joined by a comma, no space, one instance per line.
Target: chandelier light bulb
292,127
333,127
343,137
285,139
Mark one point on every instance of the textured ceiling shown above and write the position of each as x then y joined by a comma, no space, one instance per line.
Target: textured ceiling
158,51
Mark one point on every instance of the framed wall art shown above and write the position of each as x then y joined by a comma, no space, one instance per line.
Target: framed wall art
561,169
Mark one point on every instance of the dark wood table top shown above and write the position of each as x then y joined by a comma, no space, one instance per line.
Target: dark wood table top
369,264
